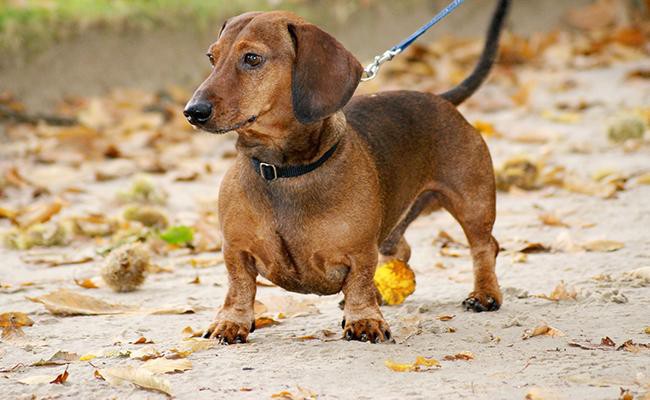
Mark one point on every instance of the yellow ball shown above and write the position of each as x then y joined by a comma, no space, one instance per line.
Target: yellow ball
395,281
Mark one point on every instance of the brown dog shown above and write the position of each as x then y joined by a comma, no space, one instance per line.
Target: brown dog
319,188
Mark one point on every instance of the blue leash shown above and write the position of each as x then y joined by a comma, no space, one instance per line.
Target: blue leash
371,70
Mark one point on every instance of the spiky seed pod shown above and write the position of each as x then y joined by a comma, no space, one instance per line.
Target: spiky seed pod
125,267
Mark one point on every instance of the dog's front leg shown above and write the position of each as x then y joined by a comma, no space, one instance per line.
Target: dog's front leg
236,319
362,318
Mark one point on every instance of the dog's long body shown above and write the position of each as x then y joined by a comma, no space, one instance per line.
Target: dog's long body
283,85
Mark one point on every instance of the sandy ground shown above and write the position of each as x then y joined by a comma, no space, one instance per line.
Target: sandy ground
608,303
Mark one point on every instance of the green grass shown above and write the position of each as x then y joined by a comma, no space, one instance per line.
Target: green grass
28,24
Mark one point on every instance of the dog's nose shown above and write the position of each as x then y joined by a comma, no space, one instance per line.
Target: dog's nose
198,113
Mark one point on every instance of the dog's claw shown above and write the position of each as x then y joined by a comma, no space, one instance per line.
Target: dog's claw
366,330
343,323
474,304
228,332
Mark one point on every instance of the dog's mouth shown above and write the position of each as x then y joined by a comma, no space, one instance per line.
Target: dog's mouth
231,128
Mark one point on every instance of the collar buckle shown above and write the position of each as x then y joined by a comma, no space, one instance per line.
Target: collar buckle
268,171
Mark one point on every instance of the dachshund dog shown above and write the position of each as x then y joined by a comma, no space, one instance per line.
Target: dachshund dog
324,185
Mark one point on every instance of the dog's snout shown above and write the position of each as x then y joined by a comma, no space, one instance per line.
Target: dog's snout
198,113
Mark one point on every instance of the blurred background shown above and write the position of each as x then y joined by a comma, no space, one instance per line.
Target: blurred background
55,48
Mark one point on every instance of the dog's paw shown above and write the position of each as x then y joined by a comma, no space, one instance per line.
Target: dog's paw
228,332
479,302
366,330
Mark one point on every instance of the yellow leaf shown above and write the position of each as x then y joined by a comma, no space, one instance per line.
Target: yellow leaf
263,322
87,357
542,330
395,281
164,365
420,364
86,283
486,128
12,323
138,376
603,245
561,117
561,292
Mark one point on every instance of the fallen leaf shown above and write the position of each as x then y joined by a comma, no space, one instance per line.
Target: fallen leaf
142,340
165,365
38,214
57,258
464,355
551,219
560,293
302,394
542,330
12,323
189,332
323,335
395,281
420,364
647,330
138,376
445,317
40,379
289,307
263,322
58,358
65,302
632,347
603,245
178,235
86,283
189,346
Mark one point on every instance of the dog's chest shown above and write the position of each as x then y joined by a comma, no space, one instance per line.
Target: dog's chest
305,258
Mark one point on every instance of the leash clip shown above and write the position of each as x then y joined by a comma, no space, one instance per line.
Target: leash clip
371,69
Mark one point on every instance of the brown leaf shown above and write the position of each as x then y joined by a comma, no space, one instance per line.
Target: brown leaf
560,293
465,356
603,245
86,283
263,322
12,323
551,219
445,317
58,358
324,335
142,340
40,379
542,330
39,213
61,378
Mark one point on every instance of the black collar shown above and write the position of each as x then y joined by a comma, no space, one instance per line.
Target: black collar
272,172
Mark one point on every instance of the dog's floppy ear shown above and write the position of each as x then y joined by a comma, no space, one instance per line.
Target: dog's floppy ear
324,74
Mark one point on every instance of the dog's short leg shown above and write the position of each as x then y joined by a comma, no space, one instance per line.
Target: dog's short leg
476,216
362,318
236,318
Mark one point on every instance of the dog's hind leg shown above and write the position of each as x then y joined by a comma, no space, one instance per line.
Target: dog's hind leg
395,246
474,208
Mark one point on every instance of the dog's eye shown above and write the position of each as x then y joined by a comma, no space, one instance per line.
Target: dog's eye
211,58
252,59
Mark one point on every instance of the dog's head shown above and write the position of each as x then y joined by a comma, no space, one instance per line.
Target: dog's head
272,70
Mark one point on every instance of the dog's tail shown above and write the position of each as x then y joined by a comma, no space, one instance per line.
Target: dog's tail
467,87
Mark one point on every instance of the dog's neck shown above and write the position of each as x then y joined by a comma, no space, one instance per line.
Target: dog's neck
295,144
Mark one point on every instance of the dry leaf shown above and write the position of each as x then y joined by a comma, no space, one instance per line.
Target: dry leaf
289,307
66,303
57,258
445,317
463,355
542,330
58,358
302,394
40,379
189,332
145,353
165,365
189,346
420,364
603,245
138,376
142,340
561,292
86,283
12,323
324,335
263,322
395,281
39,213
551,219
